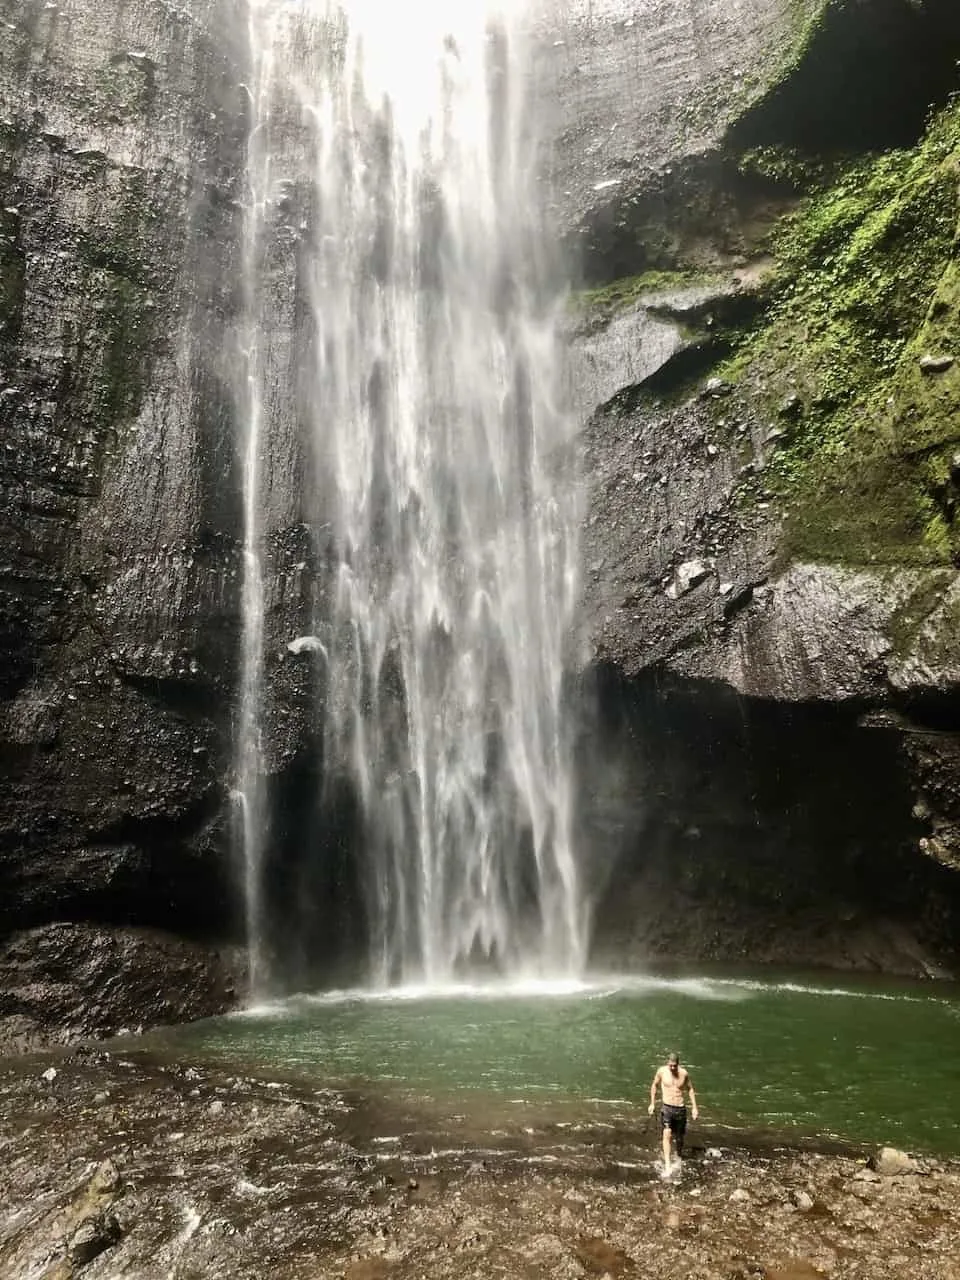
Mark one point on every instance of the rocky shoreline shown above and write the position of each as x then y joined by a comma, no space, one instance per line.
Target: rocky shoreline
121,1165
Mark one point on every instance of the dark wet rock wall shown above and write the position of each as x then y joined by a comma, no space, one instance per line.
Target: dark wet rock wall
734,829
122,137
62,982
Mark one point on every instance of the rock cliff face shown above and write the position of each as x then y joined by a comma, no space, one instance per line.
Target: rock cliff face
122,140
752,298
773,515
625,87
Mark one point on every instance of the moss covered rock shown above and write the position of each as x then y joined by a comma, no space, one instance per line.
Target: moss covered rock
859,339
809,458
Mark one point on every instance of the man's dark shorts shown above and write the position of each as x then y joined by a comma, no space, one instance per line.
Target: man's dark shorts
674,1119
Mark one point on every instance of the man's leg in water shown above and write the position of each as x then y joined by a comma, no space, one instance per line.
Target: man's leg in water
667,1139
680,1136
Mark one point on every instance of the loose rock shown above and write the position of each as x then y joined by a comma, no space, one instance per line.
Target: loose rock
716,387
94,1237
687,576
891,1162
937,364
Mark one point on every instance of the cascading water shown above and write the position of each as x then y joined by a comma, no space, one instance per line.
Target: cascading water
443,474
249,798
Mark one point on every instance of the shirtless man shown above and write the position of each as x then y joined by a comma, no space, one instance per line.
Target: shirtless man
673,1080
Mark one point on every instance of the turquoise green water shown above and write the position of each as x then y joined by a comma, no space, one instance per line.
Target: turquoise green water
855,1062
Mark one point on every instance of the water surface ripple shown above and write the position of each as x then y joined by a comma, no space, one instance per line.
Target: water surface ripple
799,1057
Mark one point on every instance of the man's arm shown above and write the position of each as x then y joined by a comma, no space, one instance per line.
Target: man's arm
653,1094
693,1099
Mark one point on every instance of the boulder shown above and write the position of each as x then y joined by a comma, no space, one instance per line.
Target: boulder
890,1162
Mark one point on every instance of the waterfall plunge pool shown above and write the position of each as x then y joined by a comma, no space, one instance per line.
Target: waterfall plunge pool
842,1059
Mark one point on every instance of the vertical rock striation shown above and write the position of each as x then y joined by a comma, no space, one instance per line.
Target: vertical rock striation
122,132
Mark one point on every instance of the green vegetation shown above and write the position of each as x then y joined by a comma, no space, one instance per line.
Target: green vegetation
788,167
605,301
118,278
909,617
867,284
846,357
128,338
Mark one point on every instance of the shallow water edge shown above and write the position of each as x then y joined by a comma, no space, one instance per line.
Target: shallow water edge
794,1055
125,1165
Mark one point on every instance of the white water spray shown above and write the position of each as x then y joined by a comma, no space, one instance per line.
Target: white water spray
443,465
249,793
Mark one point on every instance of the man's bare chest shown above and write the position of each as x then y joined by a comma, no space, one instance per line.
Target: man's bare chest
673,1085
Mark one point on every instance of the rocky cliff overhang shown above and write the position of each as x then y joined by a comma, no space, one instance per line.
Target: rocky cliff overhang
624,88
771,347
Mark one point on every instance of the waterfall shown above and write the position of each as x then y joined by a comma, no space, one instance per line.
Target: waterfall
442,473
249,795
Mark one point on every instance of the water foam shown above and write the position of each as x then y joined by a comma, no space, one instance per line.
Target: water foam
813,989
508,990
595,987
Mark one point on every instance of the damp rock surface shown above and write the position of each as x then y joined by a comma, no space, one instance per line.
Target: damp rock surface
121,150
291,1179
806,459
64,982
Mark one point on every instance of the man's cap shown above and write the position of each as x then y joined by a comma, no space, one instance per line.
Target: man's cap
673,1057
